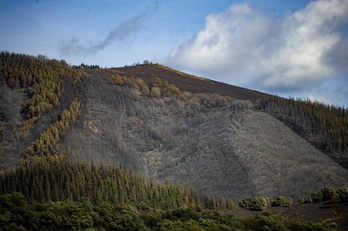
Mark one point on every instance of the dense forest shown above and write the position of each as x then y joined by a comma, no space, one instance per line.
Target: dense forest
53,179
41,187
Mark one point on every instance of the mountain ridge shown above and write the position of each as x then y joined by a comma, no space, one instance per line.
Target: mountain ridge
188,82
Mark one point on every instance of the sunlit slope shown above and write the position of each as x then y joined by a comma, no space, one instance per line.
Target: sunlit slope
187,82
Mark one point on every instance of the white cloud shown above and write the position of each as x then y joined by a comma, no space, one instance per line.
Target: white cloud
319,98
231,41
305,38
244,47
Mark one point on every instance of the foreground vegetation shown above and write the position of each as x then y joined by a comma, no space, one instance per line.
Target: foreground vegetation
55,194
17,214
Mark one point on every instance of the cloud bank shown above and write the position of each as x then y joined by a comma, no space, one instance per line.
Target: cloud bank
245,47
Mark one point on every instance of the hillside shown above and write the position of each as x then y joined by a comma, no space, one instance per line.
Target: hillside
187,82
160,123
324,126
206,141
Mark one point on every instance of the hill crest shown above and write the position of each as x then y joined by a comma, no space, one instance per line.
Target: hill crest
188,82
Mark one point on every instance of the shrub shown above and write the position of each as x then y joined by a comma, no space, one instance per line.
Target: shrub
343,192
269,221
327,193
258,203
246,203
302,200
155,92
335,198
281,201
317,196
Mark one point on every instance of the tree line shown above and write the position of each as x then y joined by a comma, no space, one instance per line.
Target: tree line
326,194
85,66
324,126
57,179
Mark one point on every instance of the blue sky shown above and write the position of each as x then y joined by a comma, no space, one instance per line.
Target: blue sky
294,48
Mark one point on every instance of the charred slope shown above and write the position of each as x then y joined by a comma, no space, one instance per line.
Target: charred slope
324,126
216,145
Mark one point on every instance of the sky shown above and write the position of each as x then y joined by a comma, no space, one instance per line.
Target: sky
290,48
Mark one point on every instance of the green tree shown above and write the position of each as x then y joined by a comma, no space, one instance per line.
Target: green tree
343,192
281,201
317,196
258,203
327,193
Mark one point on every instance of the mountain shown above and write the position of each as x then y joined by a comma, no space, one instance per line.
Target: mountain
169,126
